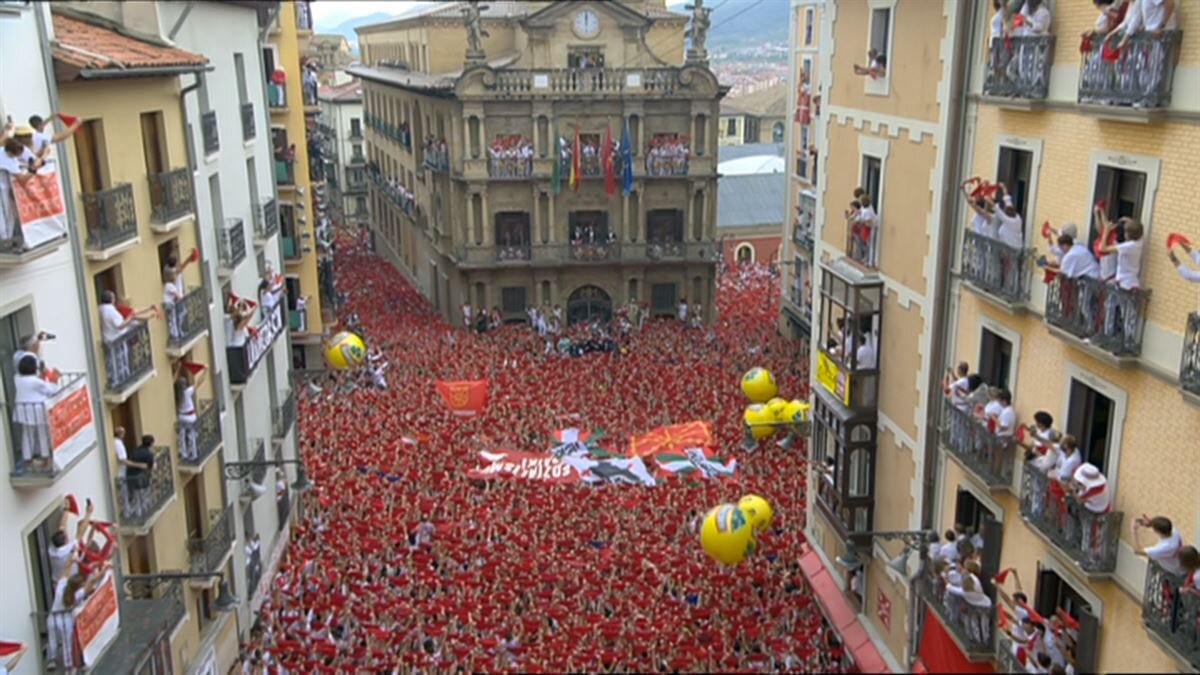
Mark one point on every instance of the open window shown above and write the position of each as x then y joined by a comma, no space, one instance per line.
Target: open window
879,32
982,522
588,227
662,300
585,57
1122,193
512,228
1056,596
872,180
1014,169
809,28
664,225
1090,418
995,358
849,337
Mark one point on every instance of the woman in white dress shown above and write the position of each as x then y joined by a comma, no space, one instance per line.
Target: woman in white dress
30,415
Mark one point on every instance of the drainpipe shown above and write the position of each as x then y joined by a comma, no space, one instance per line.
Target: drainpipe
77,258
953,161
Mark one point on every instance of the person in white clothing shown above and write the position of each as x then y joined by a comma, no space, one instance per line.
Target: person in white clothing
683,310
466,315
1150,16
864,356
31,418
1035,18
1166,550
1186,272
185,405
1128,252
1075,259
1010,229
113,325
123,463
44,135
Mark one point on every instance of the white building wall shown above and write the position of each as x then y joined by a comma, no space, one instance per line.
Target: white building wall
337,115
50,287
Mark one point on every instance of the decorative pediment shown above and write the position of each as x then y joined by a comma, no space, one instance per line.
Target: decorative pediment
547,17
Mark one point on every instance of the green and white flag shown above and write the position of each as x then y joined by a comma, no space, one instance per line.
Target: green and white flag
695,461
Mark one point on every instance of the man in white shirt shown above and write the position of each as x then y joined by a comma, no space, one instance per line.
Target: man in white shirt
113,325
1011,229
1035,18
1166,550
1070,460
1077,260
44,136
1151,16
864,356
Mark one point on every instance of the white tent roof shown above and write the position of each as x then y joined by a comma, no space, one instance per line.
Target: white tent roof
756,164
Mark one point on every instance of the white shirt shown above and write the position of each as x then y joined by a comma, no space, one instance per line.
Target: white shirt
997,24
60,556
1166,553
1010,231
171,293
1148,15
992,409
187,402
983,225
1129,264
1006,422
1037,22
32,389
1067,465
42,138
975,598
865,356
1050,460
110,322
1079,262
950,551
122,455
958,394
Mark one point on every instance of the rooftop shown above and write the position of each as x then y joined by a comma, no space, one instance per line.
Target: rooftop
347,92
729,152
508,9
751,200
87,46
766,102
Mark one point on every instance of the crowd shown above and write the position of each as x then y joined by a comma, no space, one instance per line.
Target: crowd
437,155
400,563
862,224
510,157
23,151
668,156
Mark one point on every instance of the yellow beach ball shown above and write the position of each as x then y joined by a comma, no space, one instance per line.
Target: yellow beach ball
758,511
345,350
759,420
759,385
726,534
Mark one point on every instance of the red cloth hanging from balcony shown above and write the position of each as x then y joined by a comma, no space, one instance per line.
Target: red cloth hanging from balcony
938,653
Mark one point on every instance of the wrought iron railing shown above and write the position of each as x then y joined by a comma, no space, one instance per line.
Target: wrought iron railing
1141,76
248,130
206,553
437,156
243,360
140,496
972,626
1019,66
997,269
170,195
1170,613
285,172
110,216
1006,654
1087,537
283,416
1189,364
266,219
187,318
667,165
129,357
197,440
1109,317
861,243
986,454
510,167
32,439
231,245
208,128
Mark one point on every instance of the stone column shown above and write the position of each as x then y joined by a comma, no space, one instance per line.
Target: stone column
489,234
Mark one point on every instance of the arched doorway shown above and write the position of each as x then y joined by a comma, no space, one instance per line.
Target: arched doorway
744,253
589,303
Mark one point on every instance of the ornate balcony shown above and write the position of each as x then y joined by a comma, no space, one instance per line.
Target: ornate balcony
585,82
283,416
1089,539
1006,654
198,441
594,252
1170,615
266,219
437,158
128,361
231,245
1019,67
971,627
42,451
141,498
667,166
186,321
510,167
1101,315
209,553
985,454
208,128
248,130
996,270
1141,77
111,220
170,198
564,254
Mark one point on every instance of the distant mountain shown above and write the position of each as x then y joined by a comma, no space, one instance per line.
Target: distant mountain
743,23
338,22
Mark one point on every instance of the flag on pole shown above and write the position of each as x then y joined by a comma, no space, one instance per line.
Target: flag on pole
556,170
575,166
626,150
606,161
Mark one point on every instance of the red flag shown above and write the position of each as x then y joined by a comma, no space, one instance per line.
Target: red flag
673,438
576,166
606,161
67,119
7,648
465,398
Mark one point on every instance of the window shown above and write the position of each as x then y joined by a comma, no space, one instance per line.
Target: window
777,132
1053,593
1013,170
1123,193
512,301
995,359
802,153
808,26
808,66
239,69
1090,416
588,226
357,150
872,180
744,253
89,149
664,225
360,205
355,127
731,126
153,146
585,57
512,228
970,512
13,327
881,19
662,299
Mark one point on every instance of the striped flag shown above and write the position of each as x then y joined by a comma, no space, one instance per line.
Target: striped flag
575,167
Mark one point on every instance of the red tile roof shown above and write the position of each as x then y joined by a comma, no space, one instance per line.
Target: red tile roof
81,44
342,93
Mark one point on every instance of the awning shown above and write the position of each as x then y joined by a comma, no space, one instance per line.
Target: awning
938,652
842,616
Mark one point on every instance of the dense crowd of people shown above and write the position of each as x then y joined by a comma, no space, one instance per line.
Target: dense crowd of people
400,562
510,157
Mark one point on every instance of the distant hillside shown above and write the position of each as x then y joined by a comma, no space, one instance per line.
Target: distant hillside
744,23
339,23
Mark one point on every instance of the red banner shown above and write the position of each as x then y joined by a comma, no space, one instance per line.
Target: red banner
40,210
97,621
671,439
524,466
466,398
69,415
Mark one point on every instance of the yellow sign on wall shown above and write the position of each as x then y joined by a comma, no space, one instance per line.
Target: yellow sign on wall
832,378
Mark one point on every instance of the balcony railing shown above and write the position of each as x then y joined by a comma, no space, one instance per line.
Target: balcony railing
266,219
284,415
1189,366
170,195
35,444
587,81
110,216
552,254
1141,76
667,166
187,318
244,359
437,156
802,236
1019,67
594,252
285,172
208,128
248,130
971,626
861,244
140,497
510,167
291,248
986,454
128,358
997,269
197,440
1006,654
1170,614
1088,538
298,320
1106,315
208,552
231,245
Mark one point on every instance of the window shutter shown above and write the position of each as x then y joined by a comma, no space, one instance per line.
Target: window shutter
1045,595
1106,189
992,532
1086,647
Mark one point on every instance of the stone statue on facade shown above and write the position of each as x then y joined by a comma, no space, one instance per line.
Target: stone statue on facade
698,31
473,20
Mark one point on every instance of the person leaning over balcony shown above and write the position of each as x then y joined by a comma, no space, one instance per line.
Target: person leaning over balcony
238,314
31,417
1075,260
1041,432
185,406
1128,252
63,549
113,325
1149,16
172,301
1186,272
1166,550
71,590
44,136
1111,14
